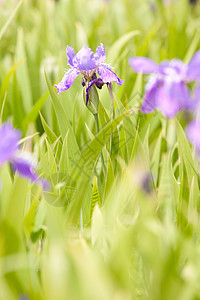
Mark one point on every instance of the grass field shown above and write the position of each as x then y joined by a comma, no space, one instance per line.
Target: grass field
121,220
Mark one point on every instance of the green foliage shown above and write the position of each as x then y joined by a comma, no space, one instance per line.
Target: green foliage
121,220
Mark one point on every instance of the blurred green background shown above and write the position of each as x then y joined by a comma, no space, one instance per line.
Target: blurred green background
132,231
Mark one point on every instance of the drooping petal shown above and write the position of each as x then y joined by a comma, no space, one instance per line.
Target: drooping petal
172,97
143,65
84,59
67,80
100,54
192,132
9,138
193,72
70,56
24,164
149,104
107,75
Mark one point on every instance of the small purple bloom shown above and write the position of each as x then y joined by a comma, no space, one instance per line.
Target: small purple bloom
9,142
21,162
192,132
87,63
167,86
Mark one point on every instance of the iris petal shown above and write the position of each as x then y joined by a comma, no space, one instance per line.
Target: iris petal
107,75
9,138
150,96
193,72
67,80
143,65
85,60
70,56
25,166
172,97
100,54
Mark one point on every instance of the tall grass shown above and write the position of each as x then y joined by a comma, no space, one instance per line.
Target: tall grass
130,231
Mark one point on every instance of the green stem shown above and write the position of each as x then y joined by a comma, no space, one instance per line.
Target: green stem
171,133
112,110
97,130
96,122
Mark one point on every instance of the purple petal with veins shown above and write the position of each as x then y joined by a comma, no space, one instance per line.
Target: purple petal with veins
87,63
85,60
107,75
100,54
67,80
70,56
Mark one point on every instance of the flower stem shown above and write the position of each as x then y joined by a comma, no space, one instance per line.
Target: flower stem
97,130
112,110
96,122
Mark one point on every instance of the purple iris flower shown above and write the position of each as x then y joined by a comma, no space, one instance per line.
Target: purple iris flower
21,162
167,86
88,64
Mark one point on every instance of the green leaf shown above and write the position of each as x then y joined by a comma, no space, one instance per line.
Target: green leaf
5,82
193,202
103,116
192,48
31,214
166,196
64,124
95,197
146,143
155,160
16,204
23,73
81,173
64,167
110,176
33,114
185,154
4,28
50,134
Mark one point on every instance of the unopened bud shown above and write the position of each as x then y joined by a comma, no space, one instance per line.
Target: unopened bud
93,102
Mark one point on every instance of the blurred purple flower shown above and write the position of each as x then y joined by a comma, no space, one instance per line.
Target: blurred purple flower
21,162
87,63
167,86
192,132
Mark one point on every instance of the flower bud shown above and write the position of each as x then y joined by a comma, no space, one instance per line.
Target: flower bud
93,103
